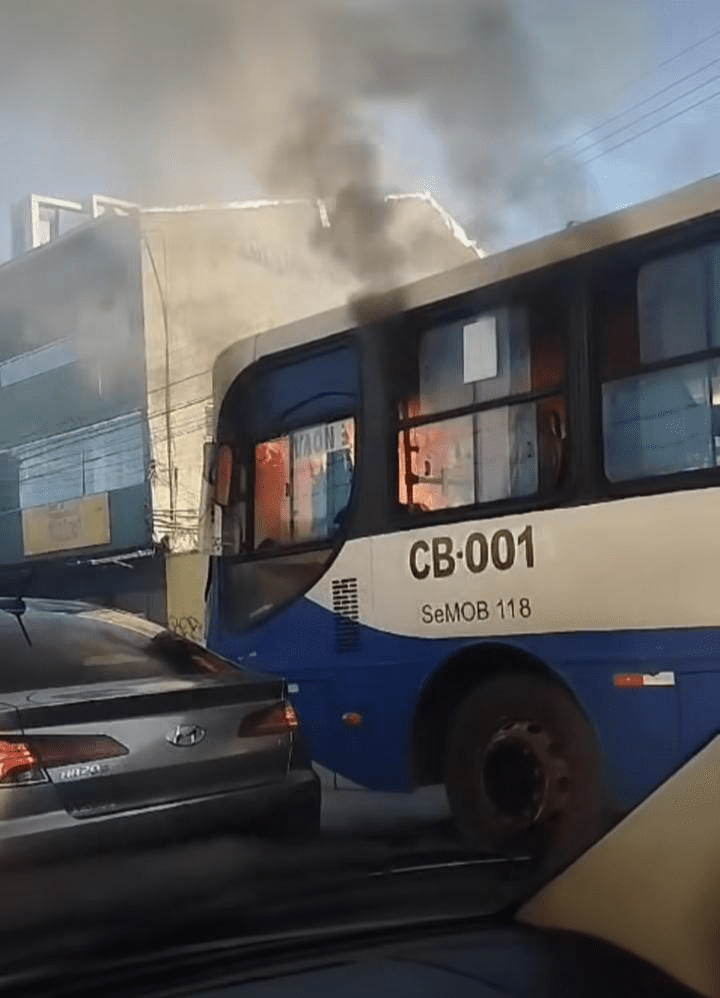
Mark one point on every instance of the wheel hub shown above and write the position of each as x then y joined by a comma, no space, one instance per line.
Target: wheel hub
525,775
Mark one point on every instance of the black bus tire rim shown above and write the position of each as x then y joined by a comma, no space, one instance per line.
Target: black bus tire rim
524,772
524,775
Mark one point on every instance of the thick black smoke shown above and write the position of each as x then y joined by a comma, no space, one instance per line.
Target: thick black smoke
185,94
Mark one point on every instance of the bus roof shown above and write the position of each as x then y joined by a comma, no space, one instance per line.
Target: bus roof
687,204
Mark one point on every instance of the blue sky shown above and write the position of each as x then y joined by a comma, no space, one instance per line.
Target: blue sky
39,153
670,155
686,148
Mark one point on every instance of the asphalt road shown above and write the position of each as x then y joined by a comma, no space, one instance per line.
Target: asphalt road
236,884
354,811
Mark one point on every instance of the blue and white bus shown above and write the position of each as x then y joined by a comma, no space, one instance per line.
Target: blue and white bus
480,536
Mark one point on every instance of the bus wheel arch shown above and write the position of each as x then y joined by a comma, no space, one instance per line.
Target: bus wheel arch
521,761
445,689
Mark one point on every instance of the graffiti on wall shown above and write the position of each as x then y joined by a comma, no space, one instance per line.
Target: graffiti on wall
187,627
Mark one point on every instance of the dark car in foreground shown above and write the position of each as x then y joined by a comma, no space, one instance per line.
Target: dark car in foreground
114,730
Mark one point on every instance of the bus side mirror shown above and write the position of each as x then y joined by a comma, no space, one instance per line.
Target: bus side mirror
208,462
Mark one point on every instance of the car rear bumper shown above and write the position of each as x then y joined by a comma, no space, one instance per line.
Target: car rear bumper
57,835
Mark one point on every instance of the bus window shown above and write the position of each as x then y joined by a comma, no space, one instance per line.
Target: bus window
529,357
323,460
256,587
506,452
661,422
272,491
657,424
436,462
672,298
493,455
510,450
303,483
553,454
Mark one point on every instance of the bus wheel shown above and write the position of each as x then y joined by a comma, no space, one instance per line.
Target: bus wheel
523,772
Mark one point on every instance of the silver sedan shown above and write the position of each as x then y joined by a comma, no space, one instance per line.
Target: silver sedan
114,730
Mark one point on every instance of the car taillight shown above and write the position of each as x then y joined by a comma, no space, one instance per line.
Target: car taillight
277,720
23,760
18,763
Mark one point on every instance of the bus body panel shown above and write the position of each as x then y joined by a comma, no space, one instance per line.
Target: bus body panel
644,731
602,566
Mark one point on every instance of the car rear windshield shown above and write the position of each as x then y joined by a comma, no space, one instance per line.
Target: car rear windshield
72,649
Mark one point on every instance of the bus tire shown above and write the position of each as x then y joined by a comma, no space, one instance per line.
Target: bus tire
524,773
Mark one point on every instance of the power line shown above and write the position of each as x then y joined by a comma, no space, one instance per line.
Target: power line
644,76
71,465
47,446
180,381
651,128
186,431
649,114
155,414
690,48
184,411
64,469
157,514
633,107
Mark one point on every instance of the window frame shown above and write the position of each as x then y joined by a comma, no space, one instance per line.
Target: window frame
293,546
620,262
244,449
519,293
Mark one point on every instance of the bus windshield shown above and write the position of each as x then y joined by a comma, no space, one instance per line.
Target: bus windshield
302,484
293,471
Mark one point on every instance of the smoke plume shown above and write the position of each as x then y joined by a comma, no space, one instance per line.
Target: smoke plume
180,100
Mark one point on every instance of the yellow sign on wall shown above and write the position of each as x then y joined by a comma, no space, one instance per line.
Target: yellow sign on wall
64,526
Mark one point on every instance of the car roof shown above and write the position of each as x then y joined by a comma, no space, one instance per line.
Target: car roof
54,643
75,615
57,606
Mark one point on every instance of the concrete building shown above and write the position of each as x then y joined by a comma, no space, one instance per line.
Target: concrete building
111,318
